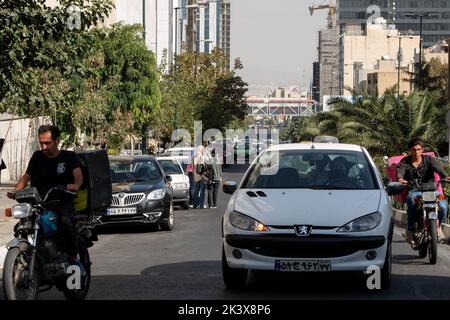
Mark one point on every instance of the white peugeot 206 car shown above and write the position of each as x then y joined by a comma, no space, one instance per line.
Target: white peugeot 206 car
315,207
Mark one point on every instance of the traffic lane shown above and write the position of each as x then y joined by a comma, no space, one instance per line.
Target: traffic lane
127,261
186,264
200,278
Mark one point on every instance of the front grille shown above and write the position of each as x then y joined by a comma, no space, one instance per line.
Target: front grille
314,246
126,199
115,202
133,199
303,253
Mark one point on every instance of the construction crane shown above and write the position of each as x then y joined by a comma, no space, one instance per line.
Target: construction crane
331,12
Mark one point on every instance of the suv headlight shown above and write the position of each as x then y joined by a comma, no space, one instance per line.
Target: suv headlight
21,210
156,195
366,223
179,186
243,222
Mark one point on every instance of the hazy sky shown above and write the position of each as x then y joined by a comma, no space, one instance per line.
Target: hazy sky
276,40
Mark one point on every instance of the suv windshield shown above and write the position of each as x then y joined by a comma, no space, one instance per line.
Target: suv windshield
311,169
170,166
134,171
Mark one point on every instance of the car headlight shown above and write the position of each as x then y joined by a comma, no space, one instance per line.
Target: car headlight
241,221
180,186
156,195
21,210
366,223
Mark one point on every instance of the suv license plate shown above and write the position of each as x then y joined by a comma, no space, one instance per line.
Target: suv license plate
119,211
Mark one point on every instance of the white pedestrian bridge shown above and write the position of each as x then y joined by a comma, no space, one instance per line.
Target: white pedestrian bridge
272,107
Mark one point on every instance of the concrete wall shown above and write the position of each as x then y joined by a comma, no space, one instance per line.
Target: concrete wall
21,142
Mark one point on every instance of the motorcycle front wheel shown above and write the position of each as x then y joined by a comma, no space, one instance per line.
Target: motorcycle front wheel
432,244
16,283
80,294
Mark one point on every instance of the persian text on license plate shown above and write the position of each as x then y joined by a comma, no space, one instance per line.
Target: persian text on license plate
302,265
119,211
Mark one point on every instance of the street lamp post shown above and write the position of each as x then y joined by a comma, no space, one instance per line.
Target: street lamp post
420,16
399,60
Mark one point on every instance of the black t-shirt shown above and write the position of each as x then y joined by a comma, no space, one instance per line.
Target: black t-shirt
47,173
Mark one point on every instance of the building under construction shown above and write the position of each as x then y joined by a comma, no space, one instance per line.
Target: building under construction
328,54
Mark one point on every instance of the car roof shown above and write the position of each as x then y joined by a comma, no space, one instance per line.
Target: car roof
131,158
181,149
317,146
168,158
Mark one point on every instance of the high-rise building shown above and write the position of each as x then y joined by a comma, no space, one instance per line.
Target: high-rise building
214,27
435,28
315,90
329,63
174,26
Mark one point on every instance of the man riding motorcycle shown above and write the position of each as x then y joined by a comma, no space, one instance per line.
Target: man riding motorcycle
51,167
421,167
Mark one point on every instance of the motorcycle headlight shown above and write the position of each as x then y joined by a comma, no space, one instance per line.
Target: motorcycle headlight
156,195
21,210
241,221
365,223
179,186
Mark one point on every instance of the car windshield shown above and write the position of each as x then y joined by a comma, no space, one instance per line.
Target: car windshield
134,171
170,166
311,169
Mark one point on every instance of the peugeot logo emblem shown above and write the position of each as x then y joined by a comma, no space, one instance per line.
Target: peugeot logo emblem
121,195
302,231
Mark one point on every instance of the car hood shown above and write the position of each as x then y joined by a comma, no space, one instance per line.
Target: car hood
328,208
132,187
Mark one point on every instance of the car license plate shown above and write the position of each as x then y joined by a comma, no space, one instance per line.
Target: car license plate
119,211
302,265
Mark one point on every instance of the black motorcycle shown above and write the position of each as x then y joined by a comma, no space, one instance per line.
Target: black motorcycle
36,260
426,219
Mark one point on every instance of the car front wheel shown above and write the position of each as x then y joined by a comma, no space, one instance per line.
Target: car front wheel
386,272
170,223
233,278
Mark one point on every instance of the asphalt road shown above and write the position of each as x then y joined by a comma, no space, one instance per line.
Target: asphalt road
186,264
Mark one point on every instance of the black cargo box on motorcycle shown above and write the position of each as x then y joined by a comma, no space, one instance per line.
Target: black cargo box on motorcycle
96,191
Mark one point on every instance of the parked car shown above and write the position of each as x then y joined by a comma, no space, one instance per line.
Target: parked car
182,154
308,208
180,180
142,193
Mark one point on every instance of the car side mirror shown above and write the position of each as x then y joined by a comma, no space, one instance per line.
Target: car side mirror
394,188
229,187
168,179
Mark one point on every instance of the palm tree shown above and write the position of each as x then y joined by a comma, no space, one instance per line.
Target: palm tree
384,125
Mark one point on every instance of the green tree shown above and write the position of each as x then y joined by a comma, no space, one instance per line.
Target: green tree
39,53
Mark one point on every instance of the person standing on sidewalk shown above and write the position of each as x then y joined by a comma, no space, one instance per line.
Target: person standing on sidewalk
215,179
198,199
190,174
